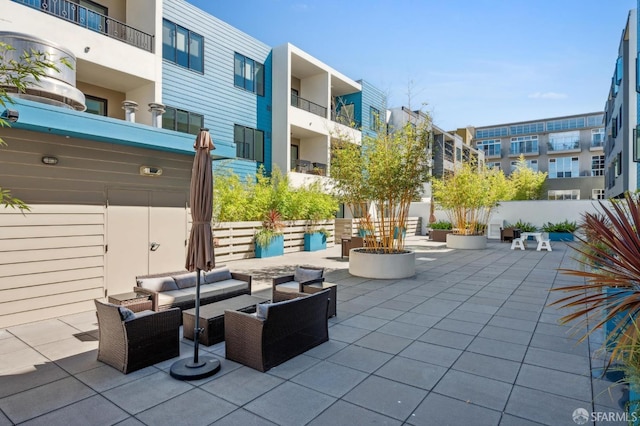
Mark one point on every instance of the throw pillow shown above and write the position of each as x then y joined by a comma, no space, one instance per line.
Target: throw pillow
158,284
126,314
218,274
186,280
305,274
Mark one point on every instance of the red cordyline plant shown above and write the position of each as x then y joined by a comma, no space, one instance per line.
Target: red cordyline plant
609,258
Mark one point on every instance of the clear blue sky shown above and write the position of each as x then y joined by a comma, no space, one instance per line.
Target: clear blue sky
473,62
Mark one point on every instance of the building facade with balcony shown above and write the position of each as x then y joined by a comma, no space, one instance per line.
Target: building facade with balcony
621,110
569,149
103,153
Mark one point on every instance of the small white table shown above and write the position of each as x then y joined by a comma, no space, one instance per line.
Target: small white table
537,235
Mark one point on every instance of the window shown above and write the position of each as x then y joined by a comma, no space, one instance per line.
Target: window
97,106
374,119
566,124
597,165
524,145
458,154
523,129
491,147
494,165
597,194
248,74
595,120
619,70
564,141
249,143
597,137
182,47
182,121
532,164
491,133
614,127
564,194
564,167
618,164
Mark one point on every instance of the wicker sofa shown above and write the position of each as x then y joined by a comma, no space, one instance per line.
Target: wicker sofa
178,289
131,344
288,329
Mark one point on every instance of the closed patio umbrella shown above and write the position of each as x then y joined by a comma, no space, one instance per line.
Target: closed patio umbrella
200,256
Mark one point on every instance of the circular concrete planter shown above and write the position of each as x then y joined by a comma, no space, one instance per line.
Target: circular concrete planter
466,242
382,265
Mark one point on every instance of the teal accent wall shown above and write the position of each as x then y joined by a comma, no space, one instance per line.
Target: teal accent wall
213,93
55,120
371,97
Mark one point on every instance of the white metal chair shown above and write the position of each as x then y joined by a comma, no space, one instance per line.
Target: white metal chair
544,244
518,243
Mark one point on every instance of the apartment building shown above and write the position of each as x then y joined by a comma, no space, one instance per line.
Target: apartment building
569,149
621,116
448,149
102,152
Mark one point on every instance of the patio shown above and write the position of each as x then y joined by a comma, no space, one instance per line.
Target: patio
468,340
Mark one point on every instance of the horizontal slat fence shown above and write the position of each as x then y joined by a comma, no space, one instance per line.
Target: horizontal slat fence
349,227
51,261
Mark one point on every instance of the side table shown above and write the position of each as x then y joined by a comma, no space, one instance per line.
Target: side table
317,287
135,301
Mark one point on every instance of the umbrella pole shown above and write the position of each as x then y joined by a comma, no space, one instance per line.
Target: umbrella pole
196,329
199,368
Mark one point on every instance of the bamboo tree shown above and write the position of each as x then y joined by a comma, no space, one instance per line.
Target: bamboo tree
528,184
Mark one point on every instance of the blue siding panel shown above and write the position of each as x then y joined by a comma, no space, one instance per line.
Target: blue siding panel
213,93
371,97
45,118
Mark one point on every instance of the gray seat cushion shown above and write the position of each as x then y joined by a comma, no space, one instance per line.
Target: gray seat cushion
222,287
289,286
171,297
158,283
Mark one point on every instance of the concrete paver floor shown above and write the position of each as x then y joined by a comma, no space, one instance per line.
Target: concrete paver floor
469,340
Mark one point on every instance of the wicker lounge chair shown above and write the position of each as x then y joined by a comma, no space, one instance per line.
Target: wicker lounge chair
289,329
288,287
130,345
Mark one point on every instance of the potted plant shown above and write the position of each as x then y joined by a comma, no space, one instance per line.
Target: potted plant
388,170
269,239
469,195
315,238
439,231
560,231
608,260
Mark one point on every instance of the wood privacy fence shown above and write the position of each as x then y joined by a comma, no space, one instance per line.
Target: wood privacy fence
235,239
349,227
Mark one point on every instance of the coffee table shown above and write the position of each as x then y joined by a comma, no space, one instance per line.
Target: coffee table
212,317
137,302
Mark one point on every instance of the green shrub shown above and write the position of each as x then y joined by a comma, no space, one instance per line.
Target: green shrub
564,226
441,224
524,226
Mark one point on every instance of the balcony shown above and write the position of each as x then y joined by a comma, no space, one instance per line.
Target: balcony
345,120
311,168
597,145
92,20
563,146
309,106
516,152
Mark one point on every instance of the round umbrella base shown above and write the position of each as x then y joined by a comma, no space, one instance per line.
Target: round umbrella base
185,369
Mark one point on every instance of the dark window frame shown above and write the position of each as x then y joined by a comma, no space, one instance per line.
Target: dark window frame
255,82
170,52
195,121
249,150
102,100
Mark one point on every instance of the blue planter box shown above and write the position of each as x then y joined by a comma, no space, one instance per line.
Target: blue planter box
363,233
276,248
610,325
560,236
315,241
395,233
633,407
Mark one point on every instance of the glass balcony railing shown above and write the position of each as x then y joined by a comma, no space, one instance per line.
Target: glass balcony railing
87,18
307,105
563,145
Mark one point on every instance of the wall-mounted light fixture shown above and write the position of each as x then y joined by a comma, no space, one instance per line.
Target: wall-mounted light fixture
150,171
87,49
11,115
49,160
